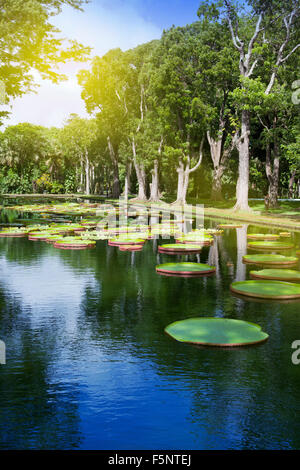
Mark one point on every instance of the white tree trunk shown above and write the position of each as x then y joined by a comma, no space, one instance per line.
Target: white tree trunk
242,186
87,174
154,187
140,174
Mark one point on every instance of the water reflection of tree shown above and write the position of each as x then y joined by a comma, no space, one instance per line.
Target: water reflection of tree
229,389
34,414
241,239
235,396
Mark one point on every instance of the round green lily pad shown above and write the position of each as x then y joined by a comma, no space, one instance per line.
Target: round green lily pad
73,243
196,238
126,241
130,247
182,269
270,245
262,236
267,289
278,260
289,275
216,332
174,248
14,232
229,226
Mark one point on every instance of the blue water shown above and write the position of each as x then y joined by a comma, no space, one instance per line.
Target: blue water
89,366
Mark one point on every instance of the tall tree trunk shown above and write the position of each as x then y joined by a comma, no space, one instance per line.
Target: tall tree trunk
242,186
184,172
215,153
87,174
219,158
127,187
140,174
81,174
273,173
291,184
182,183
154,187
115,165
216,189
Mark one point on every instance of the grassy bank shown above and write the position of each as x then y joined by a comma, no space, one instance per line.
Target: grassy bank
286,215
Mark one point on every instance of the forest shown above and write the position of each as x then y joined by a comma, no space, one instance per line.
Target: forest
210,111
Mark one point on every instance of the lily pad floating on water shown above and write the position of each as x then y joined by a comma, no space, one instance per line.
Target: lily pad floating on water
73,243
278,260
179,248
229,226
14,232
126,241
267,289
289,275
130,247
268,245
183,269
196,238
262,236
42,236
222,332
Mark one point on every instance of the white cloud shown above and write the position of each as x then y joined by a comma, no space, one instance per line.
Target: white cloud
100,27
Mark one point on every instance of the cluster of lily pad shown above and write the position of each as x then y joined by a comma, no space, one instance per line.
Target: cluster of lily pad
267,283
274,281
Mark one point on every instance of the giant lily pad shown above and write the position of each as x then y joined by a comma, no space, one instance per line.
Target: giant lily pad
289,275
216,332
229,226
267,289
73,243
175,248
183,269
130,247
126,241
202,238
262,236
14,232
278,260
270,245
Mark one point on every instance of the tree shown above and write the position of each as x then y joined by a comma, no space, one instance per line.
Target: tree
28,41
77,138
251,36
173,94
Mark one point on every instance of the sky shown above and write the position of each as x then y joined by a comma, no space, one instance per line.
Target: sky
104,25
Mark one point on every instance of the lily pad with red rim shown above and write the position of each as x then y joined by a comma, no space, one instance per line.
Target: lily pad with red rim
267,289
179,248
270,245
288,275
262,236
183,269
270,259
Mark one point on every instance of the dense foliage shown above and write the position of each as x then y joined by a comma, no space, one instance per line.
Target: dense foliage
206,111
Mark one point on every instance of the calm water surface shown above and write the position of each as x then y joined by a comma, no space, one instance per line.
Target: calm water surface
89,366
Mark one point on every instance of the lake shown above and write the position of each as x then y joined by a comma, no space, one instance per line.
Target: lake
88,364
